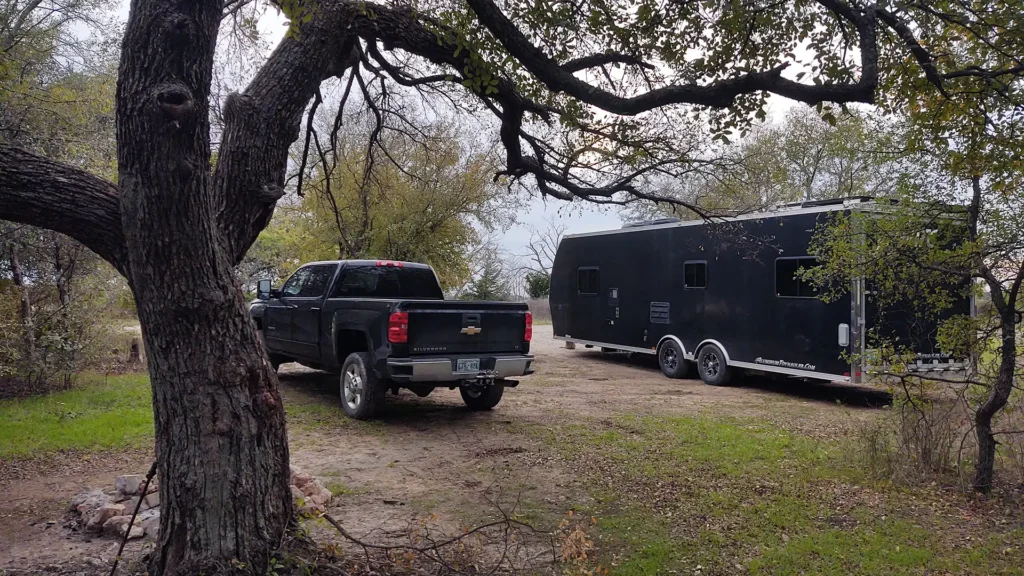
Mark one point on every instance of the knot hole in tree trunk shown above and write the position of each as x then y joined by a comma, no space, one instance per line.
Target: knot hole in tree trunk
175,102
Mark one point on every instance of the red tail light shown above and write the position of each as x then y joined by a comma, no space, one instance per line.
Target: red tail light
389,263
528,335
398,327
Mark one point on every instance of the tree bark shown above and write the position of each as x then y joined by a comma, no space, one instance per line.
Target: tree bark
1005,303
28,336
61,275
221,442
998,395
134,354
38,191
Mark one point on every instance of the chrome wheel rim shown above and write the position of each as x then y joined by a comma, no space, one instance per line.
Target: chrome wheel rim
352,388
711,364
669,358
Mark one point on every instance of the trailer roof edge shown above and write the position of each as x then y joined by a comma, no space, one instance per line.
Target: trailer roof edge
837,207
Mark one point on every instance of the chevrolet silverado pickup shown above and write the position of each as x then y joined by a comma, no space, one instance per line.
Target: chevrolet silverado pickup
384,325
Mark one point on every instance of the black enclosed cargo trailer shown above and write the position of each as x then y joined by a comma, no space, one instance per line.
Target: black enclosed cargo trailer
721,298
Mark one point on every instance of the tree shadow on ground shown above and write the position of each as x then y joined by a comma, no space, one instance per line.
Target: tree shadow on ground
852,395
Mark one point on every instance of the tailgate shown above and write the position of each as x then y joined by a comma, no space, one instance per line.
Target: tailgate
455,327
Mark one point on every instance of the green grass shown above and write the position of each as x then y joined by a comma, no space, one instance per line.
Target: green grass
742,496
306,411
116,412
338,488
103,412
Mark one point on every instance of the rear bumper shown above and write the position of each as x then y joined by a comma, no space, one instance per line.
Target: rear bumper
443,369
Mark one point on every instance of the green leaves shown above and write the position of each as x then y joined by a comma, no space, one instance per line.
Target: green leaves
427,201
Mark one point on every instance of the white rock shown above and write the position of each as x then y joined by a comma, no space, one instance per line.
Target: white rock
116,525
136,532
296,493
312,487
80,499
320,498
130,503
151,501
128,483
102,514
151,523
299,478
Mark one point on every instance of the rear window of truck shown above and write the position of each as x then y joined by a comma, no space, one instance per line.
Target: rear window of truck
390,282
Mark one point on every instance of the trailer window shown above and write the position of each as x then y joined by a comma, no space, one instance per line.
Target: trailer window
788,284
588,280
695,274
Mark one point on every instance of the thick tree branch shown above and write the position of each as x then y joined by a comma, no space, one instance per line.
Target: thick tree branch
262,123
923,57
37,191
719,94
577,64
978,72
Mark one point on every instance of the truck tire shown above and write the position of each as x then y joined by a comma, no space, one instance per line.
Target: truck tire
275,361
712,367
672,362
362,391
482,399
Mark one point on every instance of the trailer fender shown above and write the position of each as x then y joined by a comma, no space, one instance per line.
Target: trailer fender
728,361
686,354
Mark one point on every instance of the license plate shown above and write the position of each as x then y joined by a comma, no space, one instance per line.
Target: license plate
467,365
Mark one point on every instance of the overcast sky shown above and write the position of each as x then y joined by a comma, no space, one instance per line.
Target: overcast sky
576,216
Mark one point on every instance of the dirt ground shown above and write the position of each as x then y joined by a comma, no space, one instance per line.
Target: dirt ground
431,456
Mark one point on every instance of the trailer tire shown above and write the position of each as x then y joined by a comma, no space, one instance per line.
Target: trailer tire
672,362
482,399
712,366
362,391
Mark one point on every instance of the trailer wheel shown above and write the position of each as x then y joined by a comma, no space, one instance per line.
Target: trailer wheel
672,362
712,367
362,391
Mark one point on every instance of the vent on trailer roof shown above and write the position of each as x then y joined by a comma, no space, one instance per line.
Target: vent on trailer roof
650,222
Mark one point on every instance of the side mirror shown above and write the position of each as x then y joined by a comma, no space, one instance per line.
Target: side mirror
263,289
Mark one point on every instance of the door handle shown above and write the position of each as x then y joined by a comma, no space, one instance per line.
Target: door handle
291,306
314,309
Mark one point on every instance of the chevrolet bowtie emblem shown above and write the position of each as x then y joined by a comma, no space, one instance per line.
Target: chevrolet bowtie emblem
471,330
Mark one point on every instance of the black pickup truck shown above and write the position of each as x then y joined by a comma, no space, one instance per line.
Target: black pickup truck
385,325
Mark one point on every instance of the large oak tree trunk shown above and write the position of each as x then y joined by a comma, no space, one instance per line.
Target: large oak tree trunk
220,429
